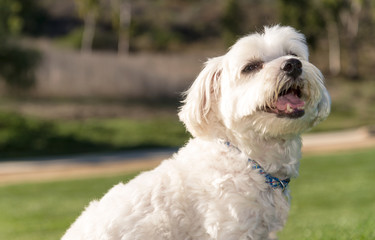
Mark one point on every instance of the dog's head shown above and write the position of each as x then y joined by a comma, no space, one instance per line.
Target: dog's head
264,84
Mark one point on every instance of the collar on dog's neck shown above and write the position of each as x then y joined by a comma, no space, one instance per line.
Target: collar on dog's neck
274,182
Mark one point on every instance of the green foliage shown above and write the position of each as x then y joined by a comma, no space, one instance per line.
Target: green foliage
72,40
10,21
167,25
18,16
103,39
332,199
24,136
87,6
231,21
302,15
33,17
18,65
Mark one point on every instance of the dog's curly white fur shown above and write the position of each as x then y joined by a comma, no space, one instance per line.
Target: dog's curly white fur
260,97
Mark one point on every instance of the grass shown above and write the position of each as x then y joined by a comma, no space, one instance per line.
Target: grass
28,136
44,210
332,199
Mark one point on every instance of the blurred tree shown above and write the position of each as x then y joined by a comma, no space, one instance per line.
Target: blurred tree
121,19
231,21
302,15
343,16
350,18
17,64
340,19
89,11
11,22
33,16
330,10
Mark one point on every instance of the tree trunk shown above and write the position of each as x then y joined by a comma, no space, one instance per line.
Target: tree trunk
351,21
124,27
333,48
88,32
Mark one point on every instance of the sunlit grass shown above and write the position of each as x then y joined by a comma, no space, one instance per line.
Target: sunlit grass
45,210
333,198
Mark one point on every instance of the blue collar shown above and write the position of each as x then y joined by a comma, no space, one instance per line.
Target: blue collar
274,182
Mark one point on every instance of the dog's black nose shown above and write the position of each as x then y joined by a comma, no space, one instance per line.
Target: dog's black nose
292,67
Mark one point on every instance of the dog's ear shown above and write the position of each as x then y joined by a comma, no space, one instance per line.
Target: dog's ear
198,101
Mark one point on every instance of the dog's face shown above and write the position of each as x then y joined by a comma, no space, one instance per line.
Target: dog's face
264,85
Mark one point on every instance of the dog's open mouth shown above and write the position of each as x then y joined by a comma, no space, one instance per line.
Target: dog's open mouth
289,103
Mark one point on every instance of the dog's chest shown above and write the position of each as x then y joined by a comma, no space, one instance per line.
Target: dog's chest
237,204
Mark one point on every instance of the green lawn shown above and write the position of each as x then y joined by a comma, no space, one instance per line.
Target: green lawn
334,198
45,210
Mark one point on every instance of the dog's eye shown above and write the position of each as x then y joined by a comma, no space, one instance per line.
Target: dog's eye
252,67
293,54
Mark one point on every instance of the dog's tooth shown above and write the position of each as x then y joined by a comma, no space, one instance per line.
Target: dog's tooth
288,108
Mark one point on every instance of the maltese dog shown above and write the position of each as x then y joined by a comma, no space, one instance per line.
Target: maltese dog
245,111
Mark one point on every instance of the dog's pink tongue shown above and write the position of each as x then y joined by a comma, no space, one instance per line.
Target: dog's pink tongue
291,99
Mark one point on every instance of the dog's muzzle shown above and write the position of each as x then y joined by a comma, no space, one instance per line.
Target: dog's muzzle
288,100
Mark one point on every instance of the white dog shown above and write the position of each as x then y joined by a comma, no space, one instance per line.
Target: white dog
246,111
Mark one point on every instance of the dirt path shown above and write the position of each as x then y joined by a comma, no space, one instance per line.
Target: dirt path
80,166
83,166
338,141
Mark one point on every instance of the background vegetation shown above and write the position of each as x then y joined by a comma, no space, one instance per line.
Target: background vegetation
96,58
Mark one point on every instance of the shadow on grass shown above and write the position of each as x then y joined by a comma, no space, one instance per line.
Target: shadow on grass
23,136
20,137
